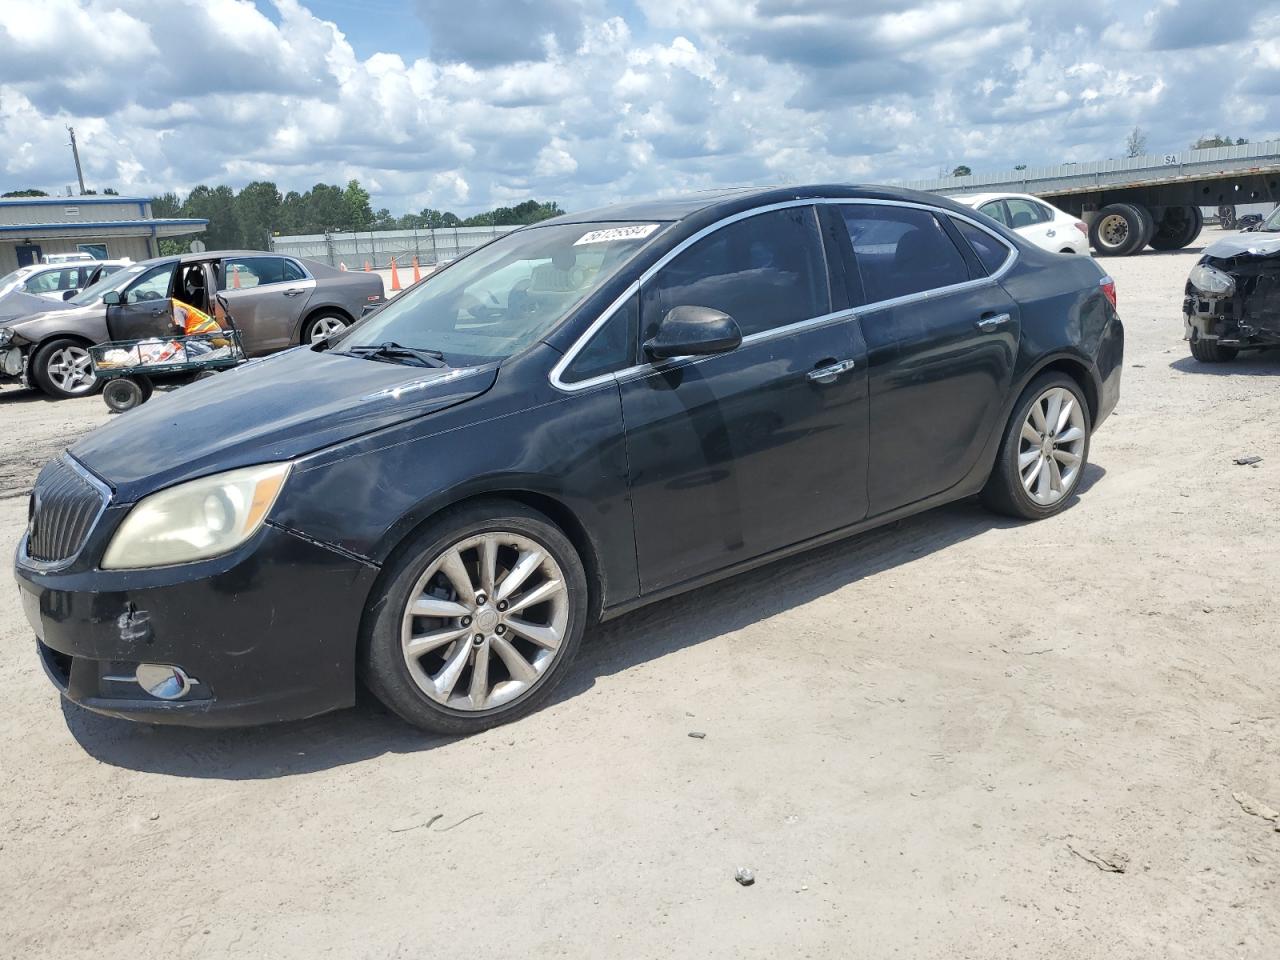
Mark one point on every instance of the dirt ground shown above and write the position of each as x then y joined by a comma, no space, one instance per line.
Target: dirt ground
916,740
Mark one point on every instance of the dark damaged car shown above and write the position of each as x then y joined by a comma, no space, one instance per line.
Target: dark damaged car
1232,297
582,416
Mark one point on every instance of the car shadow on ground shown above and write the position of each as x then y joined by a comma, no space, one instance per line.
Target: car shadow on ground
369,730
1253,363
17,395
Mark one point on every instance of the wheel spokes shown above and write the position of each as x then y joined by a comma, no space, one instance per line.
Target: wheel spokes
546,637
456,571
447,678
479,689
429,606
519,668
538,594
423,643
528,562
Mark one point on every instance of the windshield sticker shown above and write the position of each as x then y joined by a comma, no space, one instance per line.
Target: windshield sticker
635,232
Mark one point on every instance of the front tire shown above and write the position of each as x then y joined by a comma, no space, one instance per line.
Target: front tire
61,368
1211,351
1043,452
478,619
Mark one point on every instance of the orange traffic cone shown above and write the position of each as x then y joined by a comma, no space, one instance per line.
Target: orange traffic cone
341,265
367,268
417,274
395,277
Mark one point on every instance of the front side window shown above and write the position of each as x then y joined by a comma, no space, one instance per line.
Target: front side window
765,271
506,295
152,285
901,250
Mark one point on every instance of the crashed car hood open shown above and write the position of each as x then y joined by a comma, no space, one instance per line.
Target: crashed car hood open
1259,244
276,408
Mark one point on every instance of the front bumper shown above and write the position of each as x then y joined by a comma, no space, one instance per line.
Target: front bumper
268,631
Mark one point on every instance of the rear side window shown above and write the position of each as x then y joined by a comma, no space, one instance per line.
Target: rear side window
991,252
901,250
258,272
610,349
765,271
995,210
1024,213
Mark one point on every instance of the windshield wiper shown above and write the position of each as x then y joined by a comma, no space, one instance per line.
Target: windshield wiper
392,352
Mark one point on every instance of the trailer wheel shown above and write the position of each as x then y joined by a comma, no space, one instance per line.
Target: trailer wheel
125,393
1178,228
1119,229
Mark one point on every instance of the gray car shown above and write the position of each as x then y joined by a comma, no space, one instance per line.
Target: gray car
276,301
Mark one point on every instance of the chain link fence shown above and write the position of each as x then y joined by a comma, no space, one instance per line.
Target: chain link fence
378,248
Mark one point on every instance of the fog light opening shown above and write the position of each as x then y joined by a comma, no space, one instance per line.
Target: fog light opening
163,681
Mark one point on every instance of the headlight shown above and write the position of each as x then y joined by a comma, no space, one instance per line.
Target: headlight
6,335
1212,281
196,520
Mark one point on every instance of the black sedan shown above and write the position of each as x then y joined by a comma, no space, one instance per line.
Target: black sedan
581,417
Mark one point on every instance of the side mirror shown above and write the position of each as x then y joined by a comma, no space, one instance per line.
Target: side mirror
68,294
112,298
693,332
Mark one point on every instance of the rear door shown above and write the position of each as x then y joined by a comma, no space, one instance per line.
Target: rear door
941,341
742,453
266,296
1033,221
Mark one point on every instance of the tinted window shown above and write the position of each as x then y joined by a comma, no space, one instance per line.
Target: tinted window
991,252
258,272
995,210
610,349
765,271
1024,213
901,250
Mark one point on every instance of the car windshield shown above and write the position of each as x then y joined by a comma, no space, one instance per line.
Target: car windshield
112,281
1272,222
10,281
508,294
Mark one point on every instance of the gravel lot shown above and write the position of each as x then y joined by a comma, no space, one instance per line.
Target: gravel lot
916,740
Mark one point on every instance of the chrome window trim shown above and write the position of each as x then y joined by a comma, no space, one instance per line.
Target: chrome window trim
556,375
52,566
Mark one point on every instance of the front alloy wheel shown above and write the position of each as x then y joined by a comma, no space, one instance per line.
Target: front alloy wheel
62,369
482,614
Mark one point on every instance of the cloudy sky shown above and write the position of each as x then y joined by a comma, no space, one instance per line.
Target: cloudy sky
465,104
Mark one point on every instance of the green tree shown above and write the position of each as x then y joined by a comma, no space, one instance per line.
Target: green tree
167,205
218,206
258,213
1217,140
24,193
961,171
359,213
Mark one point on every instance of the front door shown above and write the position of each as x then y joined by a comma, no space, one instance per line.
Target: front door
144,309
941,343
736,455
27,254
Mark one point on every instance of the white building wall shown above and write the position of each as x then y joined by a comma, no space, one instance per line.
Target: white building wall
135,248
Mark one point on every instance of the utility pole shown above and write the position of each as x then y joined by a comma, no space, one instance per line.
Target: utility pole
75,152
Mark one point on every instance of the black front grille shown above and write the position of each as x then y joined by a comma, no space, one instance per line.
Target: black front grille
64,507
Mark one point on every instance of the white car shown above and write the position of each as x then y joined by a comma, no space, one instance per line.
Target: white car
1044,225
57,281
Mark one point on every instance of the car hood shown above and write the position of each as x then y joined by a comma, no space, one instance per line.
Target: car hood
272,409
28,306
1258,244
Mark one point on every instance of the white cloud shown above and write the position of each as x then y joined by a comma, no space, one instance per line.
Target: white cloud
584,102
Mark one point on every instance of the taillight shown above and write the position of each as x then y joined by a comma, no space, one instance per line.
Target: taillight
1082,227
1108,289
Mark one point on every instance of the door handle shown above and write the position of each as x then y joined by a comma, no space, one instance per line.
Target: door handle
994,322
292,293
829,373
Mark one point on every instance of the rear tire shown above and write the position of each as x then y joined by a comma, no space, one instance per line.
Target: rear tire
429,667
1211,351
61,368
1035,476
1120,229
1178,228
322,326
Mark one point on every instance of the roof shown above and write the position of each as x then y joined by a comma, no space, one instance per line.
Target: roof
152,226
70,201
726,201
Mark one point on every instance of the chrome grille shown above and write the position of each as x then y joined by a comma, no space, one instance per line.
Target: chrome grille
65,505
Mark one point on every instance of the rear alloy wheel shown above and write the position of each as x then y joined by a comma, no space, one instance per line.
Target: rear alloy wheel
1177,228
62,369
1044,451
481,617
323,327
1120,229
